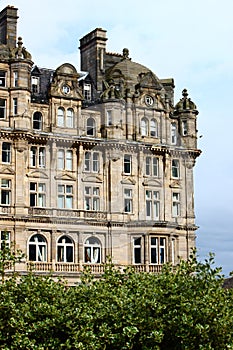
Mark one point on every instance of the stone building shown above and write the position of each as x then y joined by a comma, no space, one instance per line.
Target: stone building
93,163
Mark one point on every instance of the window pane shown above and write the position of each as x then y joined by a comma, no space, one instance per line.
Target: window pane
69,160
69,118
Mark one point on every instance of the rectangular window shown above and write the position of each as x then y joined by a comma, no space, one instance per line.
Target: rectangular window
127,164
15,79
65,159
128,200
173,134
92,198
37,194
152,205
6,152
157,250
137,250
5,239
15,106
65,196
175,168
2,108
37,157
41,157
152,166
5,191
87,91
184,127
92,163
69,160
175,204
109,118
35,85
2,79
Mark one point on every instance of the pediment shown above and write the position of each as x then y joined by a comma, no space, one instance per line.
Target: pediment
92,178
128,181
65,177
150,80
175,184
38,174
7,170
152,183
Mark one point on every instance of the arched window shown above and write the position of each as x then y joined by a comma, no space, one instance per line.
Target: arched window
37,121
37,248
65,249
153,128
60,117
144,127
92,250
91,127
70,118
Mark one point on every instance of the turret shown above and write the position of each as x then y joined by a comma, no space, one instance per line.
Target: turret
186,113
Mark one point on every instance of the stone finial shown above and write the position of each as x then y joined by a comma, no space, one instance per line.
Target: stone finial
185,103
126,53
20,47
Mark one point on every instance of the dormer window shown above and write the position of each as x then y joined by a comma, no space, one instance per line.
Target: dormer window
87,91
35,85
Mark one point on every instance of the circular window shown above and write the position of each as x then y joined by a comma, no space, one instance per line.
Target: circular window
65,89
149,100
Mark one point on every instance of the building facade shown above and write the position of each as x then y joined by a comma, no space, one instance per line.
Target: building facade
93,164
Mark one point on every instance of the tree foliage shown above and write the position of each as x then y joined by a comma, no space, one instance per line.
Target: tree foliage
175,310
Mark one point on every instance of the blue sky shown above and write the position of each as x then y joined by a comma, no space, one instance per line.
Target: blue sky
190,41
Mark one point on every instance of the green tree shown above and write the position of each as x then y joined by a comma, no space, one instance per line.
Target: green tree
185,308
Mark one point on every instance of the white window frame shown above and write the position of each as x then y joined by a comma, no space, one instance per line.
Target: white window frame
2,108
92,251
6,192
175,169
176,204
158,251
87,91
109,117
15,78
92,198
92,162
127,166
3,76
152,166
37,194
65,196
37,120
6,152
15,106
91,127
37,157
128,200
153,128
64,244
184,127
5,239
65,159
70,118
152,204
173,133
137,250
39,243
35,84
144,126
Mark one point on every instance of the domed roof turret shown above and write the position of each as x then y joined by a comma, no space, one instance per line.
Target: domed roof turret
185,103
130,75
